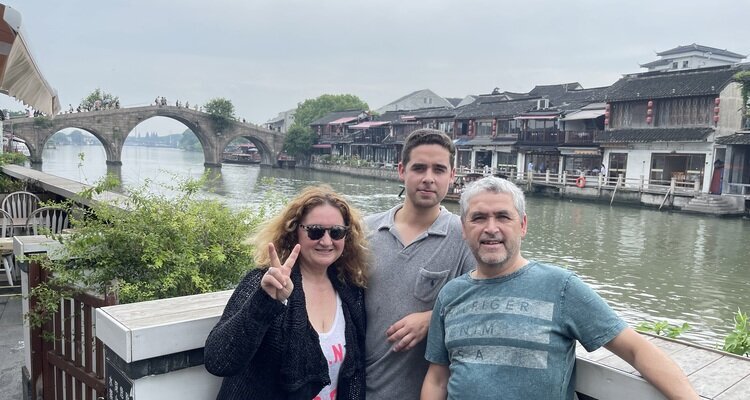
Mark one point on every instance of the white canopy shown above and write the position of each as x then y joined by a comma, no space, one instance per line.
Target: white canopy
20,77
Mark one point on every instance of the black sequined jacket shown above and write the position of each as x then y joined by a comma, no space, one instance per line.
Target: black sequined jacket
266,350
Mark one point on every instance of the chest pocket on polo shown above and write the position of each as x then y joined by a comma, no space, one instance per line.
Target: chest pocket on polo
429,283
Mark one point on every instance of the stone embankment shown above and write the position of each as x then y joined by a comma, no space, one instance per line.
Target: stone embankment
385,172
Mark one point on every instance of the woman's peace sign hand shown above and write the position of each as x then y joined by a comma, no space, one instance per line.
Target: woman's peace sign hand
276,281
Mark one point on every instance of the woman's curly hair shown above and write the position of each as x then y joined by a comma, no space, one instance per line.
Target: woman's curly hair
281,230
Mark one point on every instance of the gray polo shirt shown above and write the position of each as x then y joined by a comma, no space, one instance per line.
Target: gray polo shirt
406,280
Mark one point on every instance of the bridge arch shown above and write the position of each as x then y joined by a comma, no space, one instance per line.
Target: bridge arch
112,127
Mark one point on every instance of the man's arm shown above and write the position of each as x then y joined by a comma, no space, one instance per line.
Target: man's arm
655,366
435,385
409,331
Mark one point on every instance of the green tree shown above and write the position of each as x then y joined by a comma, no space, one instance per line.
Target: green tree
189,141
312,109
221,111
299,140
300,137
105,98
743,78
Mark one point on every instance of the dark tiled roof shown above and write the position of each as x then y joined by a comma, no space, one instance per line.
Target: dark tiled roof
738,138
576,99
654,135
657,63
435,113
453,100
657,84
554,91
332,116
705,49
485,107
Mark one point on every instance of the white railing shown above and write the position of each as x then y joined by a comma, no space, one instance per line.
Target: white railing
739,188
620,182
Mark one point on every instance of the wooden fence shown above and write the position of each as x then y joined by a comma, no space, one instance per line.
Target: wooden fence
69,363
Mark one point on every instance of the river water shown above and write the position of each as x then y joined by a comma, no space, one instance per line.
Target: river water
649,265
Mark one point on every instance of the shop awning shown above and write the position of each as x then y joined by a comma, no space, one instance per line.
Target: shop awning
369,124
542,117
20,77
322,146
583,114
341,121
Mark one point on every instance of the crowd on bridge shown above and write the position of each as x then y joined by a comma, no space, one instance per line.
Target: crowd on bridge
161,101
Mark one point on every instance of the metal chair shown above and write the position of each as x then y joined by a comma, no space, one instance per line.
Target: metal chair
6,230
20,205
47,220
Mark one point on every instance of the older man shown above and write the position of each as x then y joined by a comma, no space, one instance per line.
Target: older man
508,329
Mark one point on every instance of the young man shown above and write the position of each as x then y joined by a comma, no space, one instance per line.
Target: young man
508,329
417,248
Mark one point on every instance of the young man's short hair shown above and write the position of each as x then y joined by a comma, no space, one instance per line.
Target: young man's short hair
427,136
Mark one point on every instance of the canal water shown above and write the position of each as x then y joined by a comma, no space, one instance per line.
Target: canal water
649,265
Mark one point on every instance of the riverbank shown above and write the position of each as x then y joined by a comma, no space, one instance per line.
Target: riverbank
669,196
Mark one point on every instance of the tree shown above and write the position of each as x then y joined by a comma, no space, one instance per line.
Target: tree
312,109
221,111
190,142
105,99
743,78
300,138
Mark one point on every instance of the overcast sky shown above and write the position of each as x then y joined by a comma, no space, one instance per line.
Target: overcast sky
268,55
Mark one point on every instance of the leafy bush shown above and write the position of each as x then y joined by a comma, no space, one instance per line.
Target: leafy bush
150,247
8,184
738,342
663,328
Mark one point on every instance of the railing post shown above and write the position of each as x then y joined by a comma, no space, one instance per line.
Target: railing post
641,184
672,184
620,179
565,178
696,186
546,176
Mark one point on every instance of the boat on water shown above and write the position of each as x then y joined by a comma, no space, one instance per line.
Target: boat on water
459,183
242,154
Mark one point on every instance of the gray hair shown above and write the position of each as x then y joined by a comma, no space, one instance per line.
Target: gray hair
494,185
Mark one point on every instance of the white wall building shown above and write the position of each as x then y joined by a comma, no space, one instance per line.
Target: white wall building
692,56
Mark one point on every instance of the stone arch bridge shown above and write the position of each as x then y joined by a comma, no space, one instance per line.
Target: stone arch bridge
111,127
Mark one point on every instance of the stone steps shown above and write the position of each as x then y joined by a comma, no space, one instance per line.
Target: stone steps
713,204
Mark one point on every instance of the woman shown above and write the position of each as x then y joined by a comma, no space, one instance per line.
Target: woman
295,329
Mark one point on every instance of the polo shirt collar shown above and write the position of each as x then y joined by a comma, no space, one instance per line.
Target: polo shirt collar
439,227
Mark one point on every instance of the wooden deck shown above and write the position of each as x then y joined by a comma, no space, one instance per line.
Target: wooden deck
713,374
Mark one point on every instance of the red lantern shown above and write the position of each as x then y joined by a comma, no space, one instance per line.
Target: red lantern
606,114
606,121
606,107
649,111
716,110
717,101
716,118
650,103
648,120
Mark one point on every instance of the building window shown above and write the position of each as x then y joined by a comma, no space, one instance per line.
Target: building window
674,65
685,64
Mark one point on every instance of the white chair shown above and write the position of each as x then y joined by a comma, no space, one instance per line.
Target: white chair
20,205
47,220
6,230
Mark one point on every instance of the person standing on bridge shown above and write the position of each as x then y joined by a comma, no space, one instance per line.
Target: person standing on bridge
508,329
295,329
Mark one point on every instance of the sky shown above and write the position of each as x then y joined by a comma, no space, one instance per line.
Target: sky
267,56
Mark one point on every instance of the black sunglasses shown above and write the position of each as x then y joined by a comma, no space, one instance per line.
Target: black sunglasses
316,232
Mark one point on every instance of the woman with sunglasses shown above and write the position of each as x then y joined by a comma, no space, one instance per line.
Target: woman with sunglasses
295,328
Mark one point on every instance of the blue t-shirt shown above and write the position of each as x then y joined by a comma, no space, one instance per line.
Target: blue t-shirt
513,337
